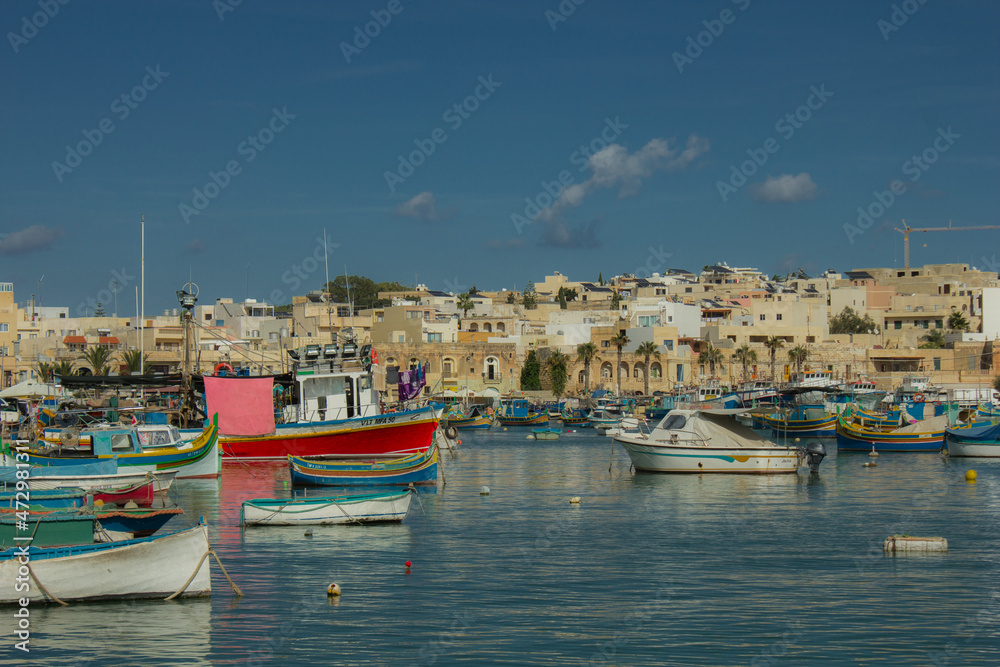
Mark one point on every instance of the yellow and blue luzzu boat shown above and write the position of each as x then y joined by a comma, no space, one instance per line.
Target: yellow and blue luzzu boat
852,437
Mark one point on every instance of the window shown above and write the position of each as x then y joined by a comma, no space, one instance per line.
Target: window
669,344
778,316
605,343
937,363
655,370
680,372
938,324
434,338
687,290
674,423
763,317
898,324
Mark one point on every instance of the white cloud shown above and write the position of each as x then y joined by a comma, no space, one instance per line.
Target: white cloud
614,167
422,207
785,189
29,239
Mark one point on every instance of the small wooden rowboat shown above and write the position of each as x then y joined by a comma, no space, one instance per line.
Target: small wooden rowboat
141,494
369,508
150,567
420,468
54,499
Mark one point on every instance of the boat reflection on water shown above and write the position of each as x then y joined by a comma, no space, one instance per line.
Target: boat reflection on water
128,632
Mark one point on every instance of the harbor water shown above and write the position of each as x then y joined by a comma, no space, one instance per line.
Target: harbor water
646,570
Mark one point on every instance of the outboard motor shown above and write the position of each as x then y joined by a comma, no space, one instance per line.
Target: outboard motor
815,453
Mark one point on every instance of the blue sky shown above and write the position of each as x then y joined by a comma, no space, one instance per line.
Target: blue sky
537,137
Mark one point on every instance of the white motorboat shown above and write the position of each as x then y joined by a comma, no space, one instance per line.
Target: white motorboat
698,441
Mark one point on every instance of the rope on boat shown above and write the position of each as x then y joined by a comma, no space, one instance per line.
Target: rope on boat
197,569
43,589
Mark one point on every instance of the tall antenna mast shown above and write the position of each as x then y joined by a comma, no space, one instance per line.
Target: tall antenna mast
142,303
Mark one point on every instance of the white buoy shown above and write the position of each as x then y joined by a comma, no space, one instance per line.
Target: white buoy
869,464
309,533
333,590
575,500
904,543
530,437
485,491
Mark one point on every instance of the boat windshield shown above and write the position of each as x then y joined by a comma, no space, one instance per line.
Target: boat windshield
674,423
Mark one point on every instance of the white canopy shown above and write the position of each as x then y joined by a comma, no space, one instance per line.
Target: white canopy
32,389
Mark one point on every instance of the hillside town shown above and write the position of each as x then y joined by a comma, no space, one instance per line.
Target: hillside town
664,332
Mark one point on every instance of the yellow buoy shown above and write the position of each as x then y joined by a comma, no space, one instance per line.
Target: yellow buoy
333,590
575,500
970,476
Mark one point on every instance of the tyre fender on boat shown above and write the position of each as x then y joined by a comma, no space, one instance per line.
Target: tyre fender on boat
451,432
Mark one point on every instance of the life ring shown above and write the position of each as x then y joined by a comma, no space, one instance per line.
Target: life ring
451,432
222,365
918,398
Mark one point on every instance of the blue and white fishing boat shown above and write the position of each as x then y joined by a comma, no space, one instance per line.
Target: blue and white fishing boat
975,440
369,508
420,468
151,567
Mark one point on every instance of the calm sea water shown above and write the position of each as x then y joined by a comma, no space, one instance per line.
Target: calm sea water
647,570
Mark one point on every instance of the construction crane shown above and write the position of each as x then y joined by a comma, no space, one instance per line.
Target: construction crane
905,231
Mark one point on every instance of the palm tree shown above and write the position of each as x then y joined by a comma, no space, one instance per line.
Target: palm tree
557,364
63,369
45,371
133,362
97,358
957,321
586,352
711,355
798,355
647,350
745,355
465,303
620,341
772,344
934,338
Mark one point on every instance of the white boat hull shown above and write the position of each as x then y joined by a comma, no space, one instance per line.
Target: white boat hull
327,511
652,456
162,481
155,567
972,449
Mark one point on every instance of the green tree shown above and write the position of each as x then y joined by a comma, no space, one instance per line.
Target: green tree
465,303
849,322
97,358
586,352
745,356
557,364
135,362
44,371
99,310
570,294
562,299
620,340
646,350
600,278
529,299
531,373
511,297
616,301
772,344
363,291
798,355
934,339
63,369
711,355
957,321
996,383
